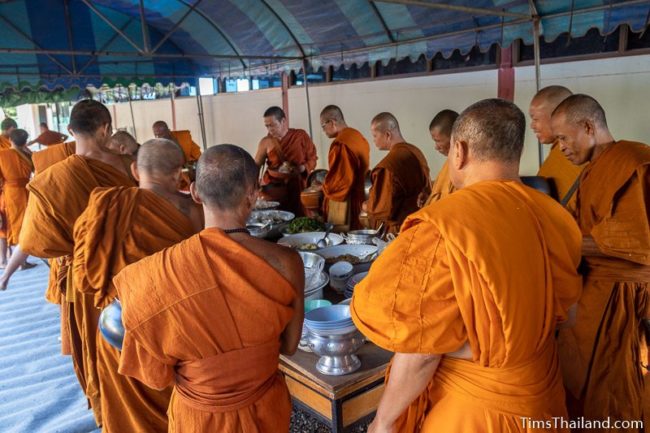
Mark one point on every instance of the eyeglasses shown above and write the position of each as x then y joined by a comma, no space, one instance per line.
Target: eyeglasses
324,124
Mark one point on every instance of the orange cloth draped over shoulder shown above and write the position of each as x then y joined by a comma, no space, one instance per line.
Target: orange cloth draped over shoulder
442,186
349,159
225,371
602,352
297,148
191,150
50,138
57,197
5,143
16,168
46,158
120,226
397,182
499,282
562,172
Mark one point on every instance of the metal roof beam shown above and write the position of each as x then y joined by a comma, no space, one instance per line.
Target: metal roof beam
33,42
176,26
448,7
111,25
145,32
68,26
381,19
286,27
106,45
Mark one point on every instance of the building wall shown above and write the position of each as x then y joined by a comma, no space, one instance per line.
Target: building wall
620,84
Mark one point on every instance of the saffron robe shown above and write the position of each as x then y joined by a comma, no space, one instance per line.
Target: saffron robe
15,171
57,197
191,150
442,186
601,354
50,138
499,282
53,154
225,371
5,143
562,173
397,182
120,226
349,159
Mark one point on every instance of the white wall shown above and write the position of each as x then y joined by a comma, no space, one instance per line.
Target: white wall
620,84
27,119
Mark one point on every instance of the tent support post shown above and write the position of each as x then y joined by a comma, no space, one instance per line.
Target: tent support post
536,50
172,94
285,95
199,103
304,70
135,132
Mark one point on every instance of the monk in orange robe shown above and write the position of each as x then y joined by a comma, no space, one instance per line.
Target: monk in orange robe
440,130
15,171
123,143
6,127
43,159
48,137
190,149
225,371
399,179
121,225
601,355
290,156
475,352
562,174
348,159
57,197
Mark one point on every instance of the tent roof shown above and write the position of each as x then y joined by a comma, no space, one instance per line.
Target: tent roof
66,43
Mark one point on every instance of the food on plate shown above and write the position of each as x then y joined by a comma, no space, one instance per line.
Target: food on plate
264,204
345,257
305,224
307,246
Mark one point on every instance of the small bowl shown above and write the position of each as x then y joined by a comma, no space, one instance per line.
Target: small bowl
314,265
340,272
312,304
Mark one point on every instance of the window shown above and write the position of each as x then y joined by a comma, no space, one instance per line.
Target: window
207,86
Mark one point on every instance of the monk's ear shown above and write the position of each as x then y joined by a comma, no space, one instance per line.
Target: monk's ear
589,127
134,171
458,153
194,194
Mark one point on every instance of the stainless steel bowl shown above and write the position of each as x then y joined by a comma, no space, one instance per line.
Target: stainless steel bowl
258,230
367,185
360,237
337,352
110,324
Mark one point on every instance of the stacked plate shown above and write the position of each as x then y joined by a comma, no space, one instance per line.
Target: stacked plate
332,320
352,282
315,289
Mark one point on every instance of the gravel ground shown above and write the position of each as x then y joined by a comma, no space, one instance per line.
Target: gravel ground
302,422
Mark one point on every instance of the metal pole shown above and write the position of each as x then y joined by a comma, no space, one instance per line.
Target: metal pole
199,103
135,132
173,92
538,76
304,70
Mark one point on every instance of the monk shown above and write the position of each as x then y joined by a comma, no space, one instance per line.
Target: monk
225,371
16,169
348,159
440,130
602,354
191,150
48,137
562,174
398,179
474,352
290,156
123,143
57,197
6,127
142,221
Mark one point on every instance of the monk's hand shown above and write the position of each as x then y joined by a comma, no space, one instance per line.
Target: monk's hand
378,427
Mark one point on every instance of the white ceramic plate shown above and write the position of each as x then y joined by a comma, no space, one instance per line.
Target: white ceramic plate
365,253
300,239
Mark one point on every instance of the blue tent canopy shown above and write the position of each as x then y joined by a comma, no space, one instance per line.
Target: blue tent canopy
66,43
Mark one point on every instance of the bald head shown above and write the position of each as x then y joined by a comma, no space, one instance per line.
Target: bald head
7,125
161,130
332,112
385,131
88,117
440,130
332,121
123,143
541,108
225,176
493,130
160,157
580,108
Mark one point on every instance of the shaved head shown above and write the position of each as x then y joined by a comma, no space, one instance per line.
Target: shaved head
580,108
444,121
493,130
18,137
384,122
89,116
225,175
332,112
541,108
124,143
160,156
161,130
8,124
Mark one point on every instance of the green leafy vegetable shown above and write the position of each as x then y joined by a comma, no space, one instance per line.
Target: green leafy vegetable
305,224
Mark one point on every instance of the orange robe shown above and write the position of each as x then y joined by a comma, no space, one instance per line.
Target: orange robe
499,282
50,138
191,150
397,182
5,143
297,148
562,173
53,154
602,353
121,226
225,371
57,197
349,159
442,186
15,170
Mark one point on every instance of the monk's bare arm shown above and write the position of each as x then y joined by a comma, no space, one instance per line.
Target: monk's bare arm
409,376
260,155
294,272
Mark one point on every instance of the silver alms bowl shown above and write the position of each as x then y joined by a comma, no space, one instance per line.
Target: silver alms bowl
337,352
110,324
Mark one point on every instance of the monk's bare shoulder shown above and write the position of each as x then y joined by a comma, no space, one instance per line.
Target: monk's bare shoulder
191,210
285,260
